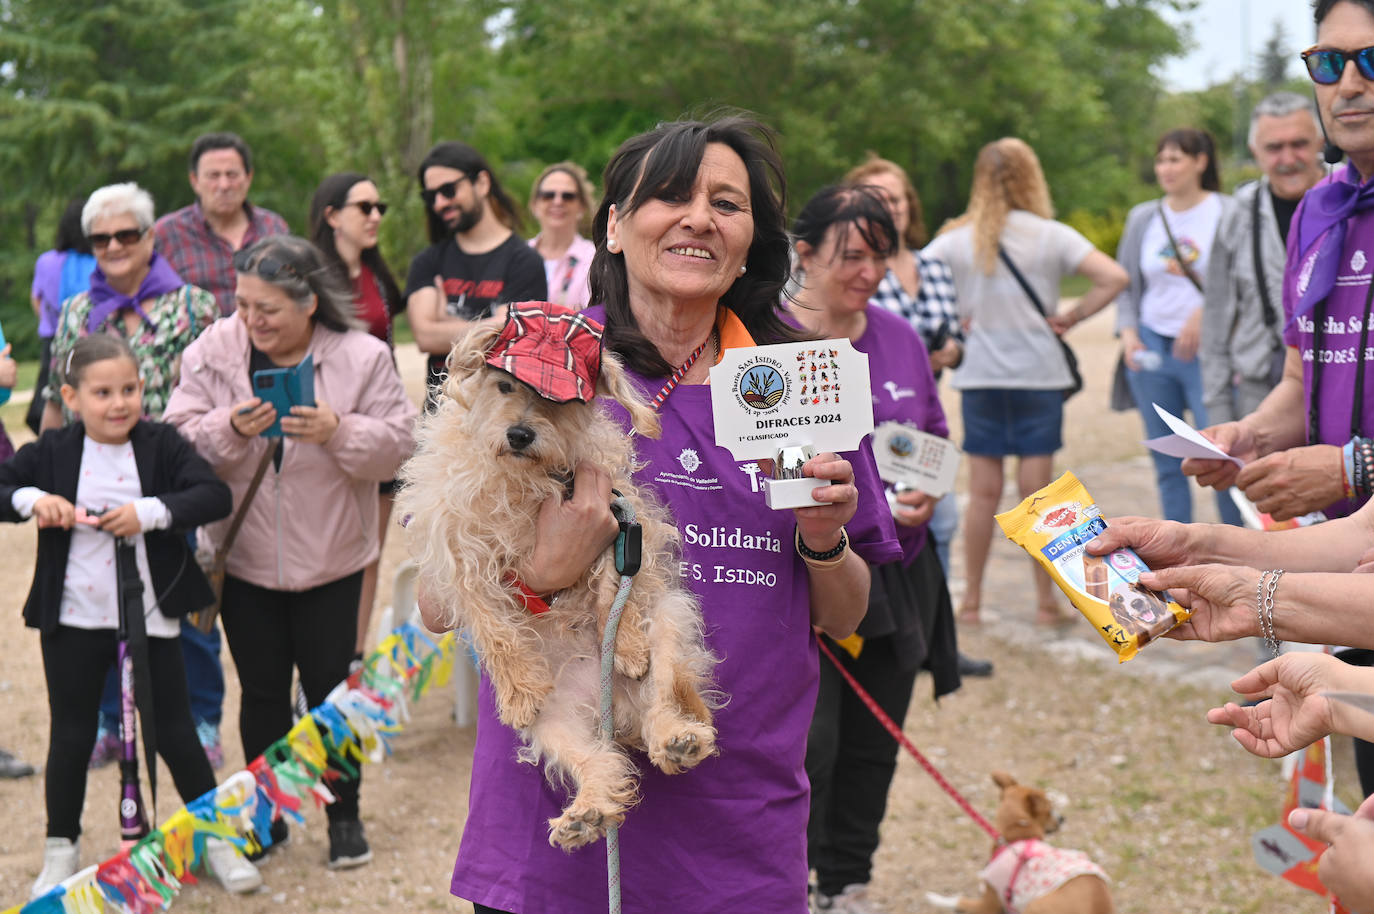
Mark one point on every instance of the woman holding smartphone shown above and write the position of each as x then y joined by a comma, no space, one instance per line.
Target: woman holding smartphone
295,570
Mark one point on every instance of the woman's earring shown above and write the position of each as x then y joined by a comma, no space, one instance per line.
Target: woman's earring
742,269
612,245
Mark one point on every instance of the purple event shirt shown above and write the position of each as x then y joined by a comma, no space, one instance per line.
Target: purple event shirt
729,835
1343,315
903,391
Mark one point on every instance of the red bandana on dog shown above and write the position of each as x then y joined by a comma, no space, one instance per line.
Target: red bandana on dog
552,348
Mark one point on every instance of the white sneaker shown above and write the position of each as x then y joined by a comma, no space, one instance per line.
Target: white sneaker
61,859
853,900
231,868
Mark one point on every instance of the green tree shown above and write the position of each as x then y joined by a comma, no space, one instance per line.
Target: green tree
1274,57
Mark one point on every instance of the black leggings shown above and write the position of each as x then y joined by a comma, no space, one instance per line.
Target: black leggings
269,632
75,661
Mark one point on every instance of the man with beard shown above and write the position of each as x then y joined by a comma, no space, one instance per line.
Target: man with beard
1242,351
475,261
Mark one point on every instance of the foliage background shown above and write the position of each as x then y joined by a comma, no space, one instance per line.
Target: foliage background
91,94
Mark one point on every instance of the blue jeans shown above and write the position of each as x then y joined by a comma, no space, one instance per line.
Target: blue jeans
1176,386
944,521
204,679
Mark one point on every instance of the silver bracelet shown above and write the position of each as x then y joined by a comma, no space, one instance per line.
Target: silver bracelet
1264,607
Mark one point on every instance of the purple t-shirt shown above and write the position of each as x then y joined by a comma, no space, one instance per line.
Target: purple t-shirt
1342,315
729,835
903,391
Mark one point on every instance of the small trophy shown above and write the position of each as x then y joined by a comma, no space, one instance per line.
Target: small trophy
789,402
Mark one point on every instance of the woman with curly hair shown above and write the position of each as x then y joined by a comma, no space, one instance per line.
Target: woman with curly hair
1014,375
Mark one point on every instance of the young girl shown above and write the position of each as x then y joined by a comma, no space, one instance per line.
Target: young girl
145,483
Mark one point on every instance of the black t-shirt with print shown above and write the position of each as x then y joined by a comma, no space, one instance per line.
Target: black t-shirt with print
474,283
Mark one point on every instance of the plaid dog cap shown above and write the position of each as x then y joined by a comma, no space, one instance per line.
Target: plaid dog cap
552,348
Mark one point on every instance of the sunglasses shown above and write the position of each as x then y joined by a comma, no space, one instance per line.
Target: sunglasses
1326,66
126,237
367,206
548,196
448,189
268,267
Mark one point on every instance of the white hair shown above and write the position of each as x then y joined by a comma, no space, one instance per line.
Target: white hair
1282,104
118,200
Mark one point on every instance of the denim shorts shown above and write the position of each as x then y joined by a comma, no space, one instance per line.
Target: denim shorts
1001,421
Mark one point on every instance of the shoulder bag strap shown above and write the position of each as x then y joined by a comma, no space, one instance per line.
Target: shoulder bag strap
248,499
1187,270
1270,316
1021,280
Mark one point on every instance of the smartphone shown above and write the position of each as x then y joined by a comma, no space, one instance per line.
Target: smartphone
285,388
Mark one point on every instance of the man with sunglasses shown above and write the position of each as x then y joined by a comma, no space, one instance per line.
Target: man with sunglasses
200,240
1303,444
475,261
1242,351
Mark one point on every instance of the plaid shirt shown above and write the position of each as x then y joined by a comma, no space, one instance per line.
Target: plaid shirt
203,258
935,304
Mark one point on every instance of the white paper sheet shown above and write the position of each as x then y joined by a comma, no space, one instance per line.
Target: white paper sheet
1186,441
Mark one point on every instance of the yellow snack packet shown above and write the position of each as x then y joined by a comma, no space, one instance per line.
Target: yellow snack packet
1053,525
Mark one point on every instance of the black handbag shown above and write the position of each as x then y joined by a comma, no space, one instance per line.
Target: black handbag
1076,382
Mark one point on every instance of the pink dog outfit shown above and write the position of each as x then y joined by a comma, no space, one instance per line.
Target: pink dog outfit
1023,871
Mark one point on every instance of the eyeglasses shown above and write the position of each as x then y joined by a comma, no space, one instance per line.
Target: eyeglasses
126,238
1326,65
448,189
367,206
268,267
548,196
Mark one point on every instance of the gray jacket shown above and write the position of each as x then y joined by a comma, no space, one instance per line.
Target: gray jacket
1237,341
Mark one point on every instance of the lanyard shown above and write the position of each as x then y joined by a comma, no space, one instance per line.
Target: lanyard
1357,400
682,370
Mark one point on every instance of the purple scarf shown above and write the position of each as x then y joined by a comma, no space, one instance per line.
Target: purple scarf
1325,211
105,301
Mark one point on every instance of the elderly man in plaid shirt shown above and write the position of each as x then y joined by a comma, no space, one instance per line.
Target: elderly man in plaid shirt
200,240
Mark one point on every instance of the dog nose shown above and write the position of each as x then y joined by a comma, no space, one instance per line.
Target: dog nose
520,436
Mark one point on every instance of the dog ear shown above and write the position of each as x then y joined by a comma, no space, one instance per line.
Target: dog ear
615,383
1002,779
468,355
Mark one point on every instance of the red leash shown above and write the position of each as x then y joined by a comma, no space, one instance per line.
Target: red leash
905,743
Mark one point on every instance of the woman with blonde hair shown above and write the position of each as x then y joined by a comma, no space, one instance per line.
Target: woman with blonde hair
1008,256
561,201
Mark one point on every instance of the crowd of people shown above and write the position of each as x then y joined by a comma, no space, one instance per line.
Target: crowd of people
1249,312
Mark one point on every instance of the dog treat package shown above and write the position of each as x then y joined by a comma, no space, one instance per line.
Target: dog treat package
1053,525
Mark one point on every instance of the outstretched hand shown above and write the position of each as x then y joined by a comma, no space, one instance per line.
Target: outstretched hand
1221,597
1294,714
1347,866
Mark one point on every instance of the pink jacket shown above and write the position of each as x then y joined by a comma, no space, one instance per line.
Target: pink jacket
315,520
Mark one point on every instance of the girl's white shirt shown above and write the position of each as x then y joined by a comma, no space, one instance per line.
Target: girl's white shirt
108,478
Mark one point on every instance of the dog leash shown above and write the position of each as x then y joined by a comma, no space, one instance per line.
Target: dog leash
628,545
906,744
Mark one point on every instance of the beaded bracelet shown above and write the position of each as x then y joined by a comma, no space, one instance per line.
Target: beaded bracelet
1264,607
1362,454
828,559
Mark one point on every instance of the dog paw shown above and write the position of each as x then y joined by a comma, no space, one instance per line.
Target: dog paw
632,661
684,749
580,825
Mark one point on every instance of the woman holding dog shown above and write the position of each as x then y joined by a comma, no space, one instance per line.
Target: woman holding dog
692,254
844,236
295,570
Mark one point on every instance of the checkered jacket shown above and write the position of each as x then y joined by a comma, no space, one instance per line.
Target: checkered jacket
203,258
935,304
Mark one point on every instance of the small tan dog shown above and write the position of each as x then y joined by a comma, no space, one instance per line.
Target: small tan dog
1027,875
491,453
